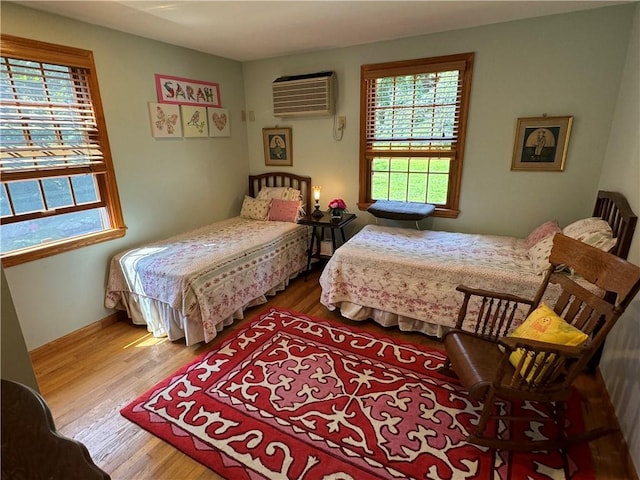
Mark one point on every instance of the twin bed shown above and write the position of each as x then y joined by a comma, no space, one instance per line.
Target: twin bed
194,284
408,278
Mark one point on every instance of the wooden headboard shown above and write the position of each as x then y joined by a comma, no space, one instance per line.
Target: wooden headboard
614,208
282,179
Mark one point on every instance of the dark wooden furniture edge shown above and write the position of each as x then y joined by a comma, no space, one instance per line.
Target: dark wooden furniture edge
31,446
325,221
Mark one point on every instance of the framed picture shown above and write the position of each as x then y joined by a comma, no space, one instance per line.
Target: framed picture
541,144
184,91
219,122
194,121
165,120
277,146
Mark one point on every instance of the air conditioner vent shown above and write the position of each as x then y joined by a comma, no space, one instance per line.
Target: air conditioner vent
304,95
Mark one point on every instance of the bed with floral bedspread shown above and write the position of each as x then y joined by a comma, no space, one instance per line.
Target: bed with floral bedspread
408,278
194,284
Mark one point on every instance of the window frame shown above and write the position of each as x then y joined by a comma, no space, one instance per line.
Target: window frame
37,51
412,67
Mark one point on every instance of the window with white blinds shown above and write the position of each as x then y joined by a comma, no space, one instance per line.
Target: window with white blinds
412,130
58,189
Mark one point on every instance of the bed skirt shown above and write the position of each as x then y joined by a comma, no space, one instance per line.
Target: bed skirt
388,319
163,321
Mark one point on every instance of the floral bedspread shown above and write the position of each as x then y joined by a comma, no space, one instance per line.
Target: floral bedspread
204,276
412,273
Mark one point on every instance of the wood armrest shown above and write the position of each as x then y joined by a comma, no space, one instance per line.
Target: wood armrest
478,292
496,313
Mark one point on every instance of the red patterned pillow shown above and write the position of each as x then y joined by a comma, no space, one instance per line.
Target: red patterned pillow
284,210
544,230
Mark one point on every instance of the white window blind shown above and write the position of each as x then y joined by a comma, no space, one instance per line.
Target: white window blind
58,189
48,129
414,112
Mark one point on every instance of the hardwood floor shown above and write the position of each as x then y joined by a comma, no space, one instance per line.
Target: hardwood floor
86,383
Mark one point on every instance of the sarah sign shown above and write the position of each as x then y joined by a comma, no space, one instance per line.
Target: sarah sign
184,91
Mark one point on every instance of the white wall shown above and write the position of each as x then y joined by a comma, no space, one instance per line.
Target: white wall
166,185
620,364
558,65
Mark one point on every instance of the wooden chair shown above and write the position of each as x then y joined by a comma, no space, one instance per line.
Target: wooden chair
480,358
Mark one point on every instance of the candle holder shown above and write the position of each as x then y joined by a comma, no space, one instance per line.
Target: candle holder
317,213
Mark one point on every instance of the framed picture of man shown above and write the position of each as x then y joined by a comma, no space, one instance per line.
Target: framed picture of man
277,147
541,143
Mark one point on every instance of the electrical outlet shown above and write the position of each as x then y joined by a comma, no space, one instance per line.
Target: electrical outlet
342,123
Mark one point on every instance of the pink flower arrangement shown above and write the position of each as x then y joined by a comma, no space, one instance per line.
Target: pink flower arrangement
337,203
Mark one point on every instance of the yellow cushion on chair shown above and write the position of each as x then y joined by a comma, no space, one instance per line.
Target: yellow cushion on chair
544,325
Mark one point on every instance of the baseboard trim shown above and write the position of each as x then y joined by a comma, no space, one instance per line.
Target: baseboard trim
40,353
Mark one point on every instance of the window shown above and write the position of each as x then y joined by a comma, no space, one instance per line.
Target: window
58,187
413,119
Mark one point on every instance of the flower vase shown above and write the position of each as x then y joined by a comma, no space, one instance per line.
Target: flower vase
336,212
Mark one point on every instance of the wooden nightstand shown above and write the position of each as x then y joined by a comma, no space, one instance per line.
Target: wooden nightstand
317,234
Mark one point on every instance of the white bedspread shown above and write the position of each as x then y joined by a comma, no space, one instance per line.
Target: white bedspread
194,284
405,277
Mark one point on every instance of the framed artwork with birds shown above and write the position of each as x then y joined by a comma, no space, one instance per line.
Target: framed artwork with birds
194,121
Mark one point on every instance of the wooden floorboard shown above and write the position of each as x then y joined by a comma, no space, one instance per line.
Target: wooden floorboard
88,381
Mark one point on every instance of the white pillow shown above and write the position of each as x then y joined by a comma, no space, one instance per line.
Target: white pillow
539,254
281,193
255,209
593,231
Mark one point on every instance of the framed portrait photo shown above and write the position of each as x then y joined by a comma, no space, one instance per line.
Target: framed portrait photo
541,143
277,147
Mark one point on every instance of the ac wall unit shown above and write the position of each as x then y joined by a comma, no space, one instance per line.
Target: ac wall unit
304,95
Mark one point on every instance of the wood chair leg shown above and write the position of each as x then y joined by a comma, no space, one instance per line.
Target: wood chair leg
561,441
559,411
489,406
446,369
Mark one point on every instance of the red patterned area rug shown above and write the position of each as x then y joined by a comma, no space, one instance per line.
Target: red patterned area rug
295,397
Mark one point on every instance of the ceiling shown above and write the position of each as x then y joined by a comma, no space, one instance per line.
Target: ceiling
251,30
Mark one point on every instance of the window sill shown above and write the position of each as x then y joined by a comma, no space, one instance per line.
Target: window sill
35,253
